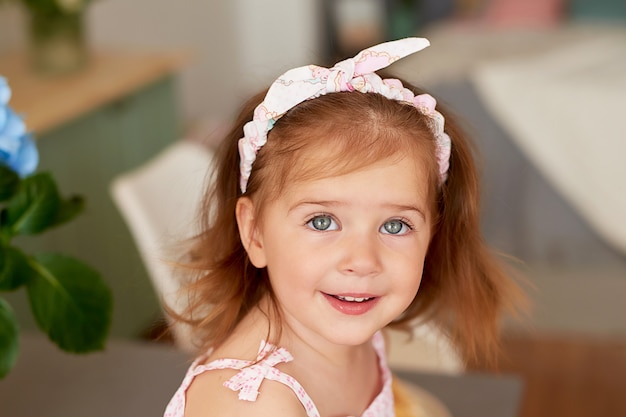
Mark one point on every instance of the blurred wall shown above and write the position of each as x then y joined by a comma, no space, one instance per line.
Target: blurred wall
238,46
273,36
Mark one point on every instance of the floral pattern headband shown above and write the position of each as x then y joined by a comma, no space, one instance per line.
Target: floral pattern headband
353,74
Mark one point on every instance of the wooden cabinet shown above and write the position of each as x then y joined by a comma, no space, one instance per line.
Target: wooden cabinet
89,127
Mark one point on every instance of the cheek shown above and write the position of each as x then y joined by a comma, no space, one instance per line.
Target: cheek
411,266
288,262
410,289
414,277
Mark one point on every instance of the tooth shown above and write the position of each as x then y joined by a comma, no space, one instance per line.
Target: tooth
353,299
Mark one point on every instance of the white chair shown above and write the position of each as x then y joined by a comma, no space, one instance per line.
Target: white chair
159,201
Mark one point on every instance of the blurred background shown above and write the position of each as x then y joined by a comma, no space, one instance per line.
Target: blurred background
540,84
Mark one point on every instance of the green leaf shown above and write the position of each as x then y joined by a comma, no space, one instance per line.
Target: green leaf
34,207
5,232
71,303
9,338
9,183
69,209
14,268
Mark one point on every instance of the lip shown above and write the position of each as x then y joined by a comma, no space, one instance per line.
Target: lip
351,308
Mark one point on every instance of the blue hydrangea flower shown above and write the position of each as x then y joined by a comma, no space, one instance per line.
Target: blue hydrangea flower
17,148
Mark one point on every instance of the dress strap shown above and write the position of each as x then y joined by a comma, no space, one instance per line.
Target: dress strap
252,373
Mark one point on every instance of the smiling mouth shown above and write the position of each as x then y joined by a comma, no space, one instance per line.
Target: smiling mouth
352,305
352,299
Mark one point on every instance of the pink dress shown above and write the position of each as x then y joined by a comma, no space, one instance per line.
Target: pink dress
250,377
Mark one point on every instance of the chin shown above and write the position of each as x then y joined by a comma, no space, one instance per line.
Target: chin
352,337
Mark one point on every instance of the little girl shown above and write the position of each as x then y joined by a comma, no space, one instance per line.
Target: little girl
338,195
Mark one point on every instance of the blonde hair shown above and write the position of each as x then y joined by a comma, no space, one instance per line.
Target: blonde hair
463,289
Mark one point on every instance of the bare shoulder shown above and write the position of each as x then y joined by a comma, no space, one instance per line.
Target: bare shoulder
207,396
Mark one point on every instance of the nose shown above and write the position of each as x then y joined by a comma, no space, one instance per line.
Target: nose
360,255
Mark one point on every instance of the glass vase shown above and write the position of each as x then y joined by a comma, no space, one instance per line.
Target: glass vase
57,42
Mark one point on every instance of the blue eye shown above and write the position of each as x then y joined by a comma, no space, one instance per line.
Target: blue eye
395,227
322,223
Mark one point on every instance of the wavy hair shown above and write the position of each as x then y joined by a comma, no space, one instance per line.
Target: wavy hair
464,288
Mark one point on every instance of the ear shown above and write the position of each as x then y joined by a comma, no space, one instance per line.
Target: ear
250,236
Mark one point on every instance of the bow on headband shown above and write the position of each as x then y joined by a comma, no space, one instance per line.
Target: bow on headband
353,74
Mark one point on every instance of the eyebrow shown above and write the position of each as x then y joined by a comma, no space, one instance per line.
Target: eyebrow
331,203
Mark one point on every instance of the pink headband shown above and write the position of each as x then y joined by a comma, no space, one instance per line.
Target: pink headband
353,74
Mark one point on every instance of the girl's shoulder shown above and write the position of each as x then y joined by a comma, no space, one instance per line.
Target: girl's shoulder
244,376
240,378
207,396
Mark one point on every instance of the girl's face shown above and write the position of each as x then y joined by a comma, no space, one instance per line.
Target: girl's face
344,254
